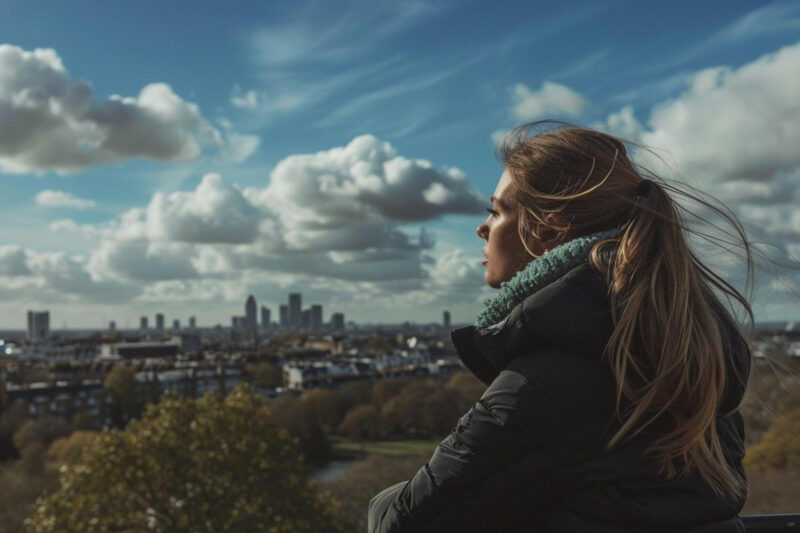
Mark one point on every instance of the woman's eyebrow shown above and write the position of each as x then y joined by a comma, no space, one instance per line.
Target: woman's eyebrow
499,202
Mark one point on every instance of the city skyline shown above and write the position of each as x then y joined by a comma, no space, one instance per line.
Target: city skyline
347,152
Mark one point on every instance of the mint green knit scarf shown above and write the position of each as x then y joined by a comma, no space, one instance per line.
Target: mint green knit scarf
542,271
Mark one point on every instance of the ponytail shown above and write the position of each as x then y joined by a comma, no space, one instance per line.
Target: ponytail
669,346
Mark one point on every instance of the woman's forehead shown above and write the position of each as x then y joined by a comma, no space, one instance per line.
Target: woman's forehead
503,189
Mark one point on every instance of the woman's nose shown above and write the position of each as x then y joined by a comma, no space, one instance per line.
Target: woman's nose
483,231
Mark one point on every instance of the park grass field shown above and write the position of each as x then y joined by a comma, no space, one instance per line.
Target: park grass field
342,447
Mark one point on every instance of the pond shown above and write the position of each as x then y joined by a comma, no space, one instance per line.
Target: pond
332,470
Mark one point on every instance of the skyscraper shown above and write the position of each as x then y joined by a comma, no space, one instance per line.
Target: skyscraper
176,324
112,326
316,317
250,313
283,315
295,307
265,317
143,322
446,319
337,321
192,322
160,321
305,318
38,325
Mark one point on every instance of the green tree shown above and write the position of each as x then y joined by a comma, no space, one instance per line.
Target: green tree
213,464
127,400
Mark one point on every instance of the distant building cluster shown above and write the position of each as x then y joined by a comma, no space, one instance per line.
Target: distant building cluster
291,317
144,323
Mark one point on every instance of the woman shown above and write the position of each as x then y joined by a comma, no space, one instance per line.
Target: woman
614,372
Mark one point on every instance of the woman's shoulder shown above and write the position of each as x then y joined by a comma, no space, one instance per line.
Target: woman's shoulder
572,313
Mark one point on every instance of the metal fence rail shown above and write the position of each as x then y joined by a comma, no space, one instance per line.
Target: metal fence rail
772,523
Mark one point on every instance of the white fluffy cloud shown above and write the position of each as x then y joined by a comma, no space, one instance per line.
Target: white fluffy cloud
364,182
733,133
734,124
50,122
58,275
142,261
13,261
334,215
212,213
551,99
457,270
51,198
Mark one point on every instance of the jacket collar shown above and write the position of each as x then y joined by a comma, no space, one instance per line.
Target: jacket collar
573,312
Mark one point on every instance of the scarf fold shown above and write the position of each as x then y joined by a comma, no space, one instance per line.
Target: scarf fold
540,272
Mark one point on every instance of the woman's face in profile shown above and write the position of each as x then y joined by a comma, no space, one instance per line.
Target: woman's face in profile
504,253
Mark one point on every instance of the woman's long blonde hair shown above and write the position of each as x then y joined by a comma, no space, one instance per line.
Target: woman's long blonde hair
671,332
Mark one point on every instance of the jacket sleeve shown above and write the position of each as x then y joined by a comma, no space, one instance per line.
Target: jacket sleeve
480,472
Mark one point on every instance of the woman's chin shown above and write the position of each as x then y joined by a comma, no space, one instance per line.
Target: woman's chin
491,281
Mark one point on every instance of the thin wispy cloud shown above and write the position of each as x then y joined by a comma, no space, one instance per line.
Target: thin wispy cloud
769,20
51,198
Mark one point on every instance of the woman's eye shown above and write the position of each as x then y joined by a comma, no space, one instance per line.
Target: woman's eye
492,212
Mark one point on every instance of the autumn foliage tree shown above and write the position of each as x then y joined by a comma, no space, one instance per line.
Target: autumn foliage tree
780,447
422,408
362,423
213,464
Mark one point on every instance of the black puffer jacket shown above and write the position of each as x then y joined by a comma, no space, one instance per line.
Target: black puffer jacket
530,456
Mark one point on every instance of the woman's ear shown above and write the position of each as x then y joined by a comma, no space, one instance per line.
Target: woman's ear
552,236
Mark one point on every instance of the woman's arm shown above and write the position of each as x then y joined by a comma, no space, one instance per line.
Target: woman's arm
472,477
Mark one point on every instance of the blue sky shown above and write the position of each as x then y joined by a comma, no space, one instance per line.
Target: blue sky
177,157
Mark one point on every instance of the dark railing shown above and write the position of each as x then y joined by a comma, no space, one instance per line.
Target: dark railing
772,523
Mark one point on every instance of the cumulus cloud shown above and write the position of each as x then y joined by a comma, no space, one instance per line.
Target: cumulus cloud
364,182
457,270
142,261
50,122
623,123
732,132
51,198
551,99
62,276
212,213
333,215
734,124
13,261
